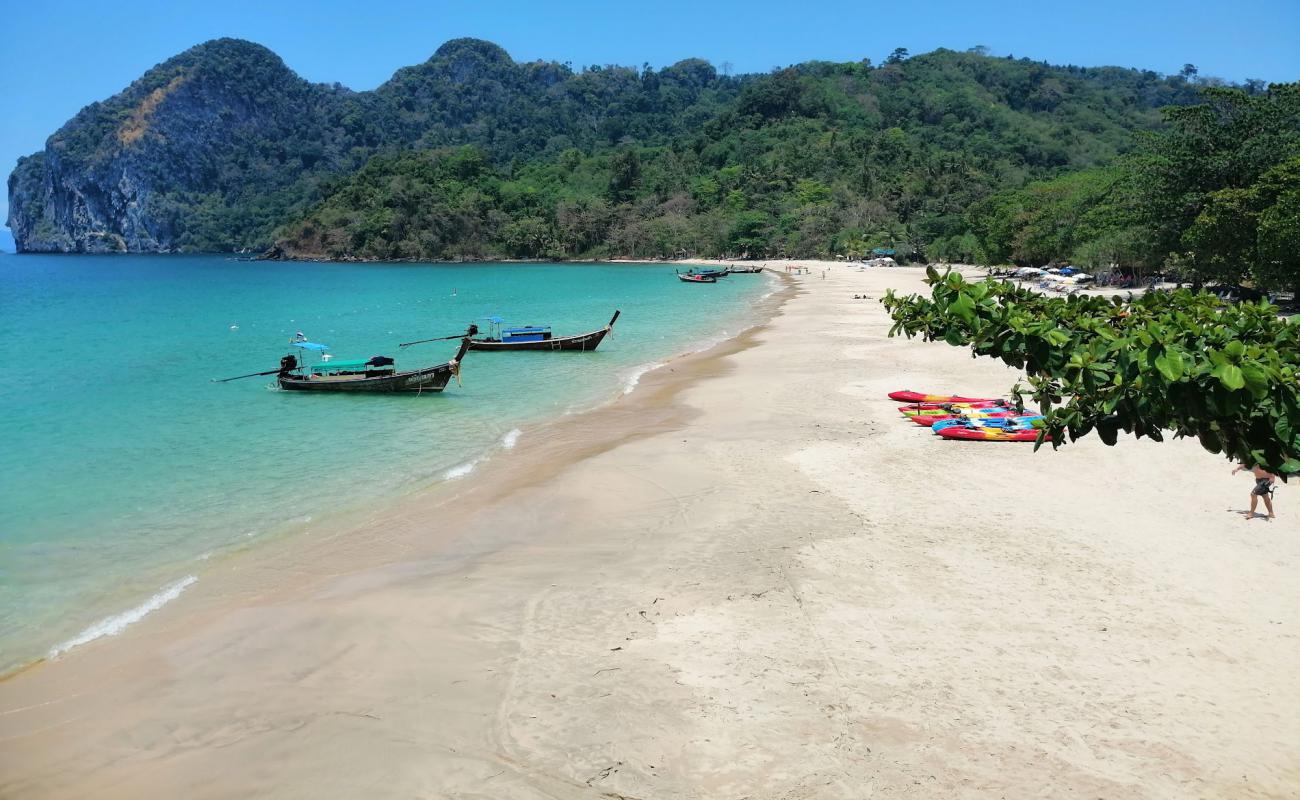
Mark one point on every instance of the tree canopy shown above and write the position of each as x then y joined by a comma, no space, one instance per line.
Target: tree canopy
816,159
1179,363
1212,195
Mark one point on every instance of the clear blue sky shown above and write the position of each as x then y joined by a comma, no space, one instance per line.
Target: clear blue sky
58,56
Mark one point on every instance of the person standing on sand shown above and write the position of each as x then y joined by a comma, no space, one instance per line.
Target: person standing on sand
1263,488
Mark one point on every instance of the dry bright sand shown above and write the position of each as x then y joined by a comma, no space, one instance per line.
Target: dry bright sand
748,579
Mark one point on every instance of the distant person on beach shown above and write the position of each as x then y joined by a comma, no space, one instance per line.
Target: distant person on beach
1263,488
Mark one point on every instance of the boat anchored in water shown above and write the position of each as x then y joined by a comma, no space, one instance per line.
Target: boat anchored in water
689,278
376,374
704,273
538,337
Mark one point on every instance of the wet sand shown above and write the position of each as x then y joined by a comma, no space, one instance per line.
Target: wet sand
749,578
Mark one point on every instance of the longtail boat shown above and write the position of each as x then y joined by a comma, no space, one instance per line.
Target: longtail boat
538,337
709,273
687,278
377,374
744,270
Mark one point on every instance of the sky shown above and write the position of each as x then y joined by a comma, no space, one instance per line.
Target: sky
58,56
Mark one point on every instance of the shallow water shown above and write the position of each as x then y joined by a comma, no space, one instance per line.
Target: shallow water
124,466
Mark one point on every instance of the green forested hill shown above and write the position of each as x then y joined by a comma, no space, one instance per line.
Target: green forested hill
1214,196
816,159
474,155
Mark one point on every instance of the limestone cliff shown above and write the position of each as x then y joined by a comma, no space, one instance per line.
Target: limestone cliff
221,131
216,148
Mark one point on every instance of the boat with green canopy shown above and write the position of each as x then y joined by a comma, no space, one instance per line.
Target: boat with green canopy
375,374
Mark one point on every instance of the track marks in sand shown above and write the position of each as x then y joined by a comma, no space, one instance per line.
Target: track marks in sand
1031,639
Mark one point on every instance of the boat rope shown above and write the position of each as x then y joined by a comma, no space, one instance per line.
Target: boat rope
438,339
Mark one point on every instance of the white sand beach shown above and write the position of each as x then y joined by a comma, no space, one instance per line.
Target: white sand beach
749,578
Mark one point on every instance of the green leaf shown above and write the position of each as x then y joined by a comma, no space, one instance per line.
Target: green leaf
1235,349
1108,430
1170,366
1256,379
963,307
1230,376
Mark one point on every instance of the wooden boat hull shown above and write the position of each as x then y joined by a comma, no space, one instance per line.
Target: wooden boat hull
695,279
433,379
428,379
582,342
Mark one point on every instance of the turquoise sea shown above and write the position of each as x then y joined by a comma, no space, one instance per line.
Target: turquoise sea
123,467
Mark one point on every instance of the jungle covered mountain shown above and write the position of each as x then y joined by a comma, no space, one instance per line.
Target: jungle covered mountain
473,155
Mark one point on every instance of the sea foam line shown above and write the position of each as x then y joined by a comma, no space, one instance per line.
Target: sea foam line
112,626
509,441
460,470
635,378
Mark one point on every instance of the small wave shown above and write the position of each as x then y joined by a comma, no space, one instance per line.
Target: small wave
112,626
635,378
509,441
459,471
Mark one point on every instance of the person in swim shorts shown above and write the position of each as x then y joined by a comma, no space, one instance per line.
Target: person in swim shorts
1263,488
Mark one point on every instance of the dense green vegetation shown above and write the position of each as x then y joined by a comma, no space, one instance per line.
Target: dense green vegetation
219,146
1214,196
942,156
1178,362
813,160
222,145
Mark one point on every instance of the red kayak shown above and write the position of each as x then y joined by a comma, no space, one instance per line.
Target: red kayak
990,434
917,397
929,421
942,406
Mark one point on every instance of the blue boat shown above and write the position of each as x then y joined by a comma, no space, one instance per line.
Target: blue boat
539,337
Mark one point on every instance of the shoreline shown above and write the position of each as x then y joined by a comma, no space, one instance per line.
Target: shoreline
749,578
345,520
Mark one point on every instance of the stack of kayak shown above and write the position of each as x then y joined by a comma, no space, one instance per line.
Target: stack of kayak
986,419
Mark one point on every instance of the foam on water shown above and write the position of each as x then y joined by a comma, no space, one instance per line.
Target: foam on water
634,378
511,438
112,626
460,470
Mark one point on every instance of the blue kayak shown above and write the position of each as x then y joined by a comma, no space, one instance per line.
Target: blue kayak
988,422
